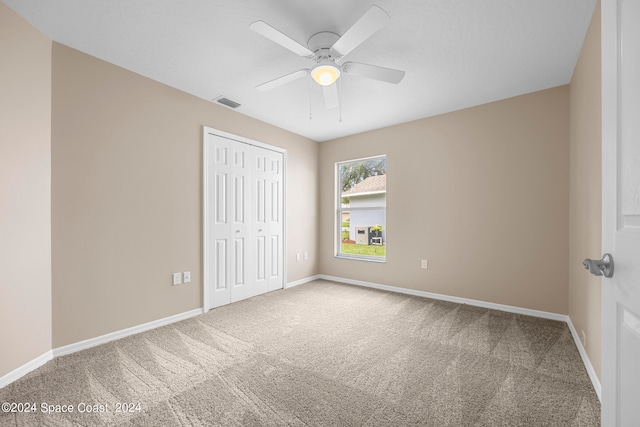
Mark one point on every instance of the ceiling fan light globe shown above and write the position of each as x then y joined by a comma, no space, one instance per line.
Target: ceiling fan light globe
325,75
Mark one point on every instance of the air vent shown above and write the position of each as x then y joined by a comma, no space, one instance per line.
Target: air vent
229,103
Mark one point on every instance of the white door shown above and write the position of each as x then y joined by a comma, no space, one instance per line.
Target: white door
241,222
243,244
269,171
275,221
268,247
220,223
230,237
260,202
621,212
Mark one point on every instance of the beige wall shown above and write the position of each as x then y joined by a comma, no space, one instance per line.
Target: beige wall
482,193
126,187
586,190
25,192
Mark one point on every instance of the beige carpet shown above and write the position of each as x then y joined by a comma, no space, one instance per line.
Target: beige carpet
324,354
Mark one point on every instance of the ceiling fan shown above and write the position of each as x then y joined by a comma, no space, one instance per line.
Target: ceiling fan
327,50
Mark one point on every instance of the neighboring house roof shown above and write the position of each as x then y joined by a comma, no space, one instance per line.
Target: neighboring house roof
372,185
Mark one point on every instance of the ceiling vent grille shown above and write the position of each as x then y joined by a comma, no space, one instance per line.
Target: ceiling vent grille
229,103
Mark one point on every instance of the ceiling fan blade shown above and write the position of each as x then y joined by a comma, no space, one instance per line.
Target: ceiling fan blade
388,75
282,80
330,94
374,19
279,37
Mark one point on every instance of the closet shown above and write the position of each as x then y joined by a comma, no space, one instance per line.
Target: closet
244,224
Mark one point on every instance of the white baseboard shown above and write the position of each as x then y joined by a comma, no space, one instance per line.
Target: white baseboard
459,300
302,281
92,342
585,359
25,369
508,308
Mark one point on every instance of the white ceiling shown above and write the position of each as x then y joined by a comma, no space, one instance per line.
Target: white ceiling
456,53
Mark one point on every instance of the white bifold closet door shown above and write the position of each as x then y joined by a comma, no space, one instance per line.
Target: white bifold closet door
246,217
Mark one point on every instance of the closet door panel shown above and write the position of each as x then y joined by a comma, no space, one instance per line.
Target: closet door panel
218,196
241,219
275,222
261,211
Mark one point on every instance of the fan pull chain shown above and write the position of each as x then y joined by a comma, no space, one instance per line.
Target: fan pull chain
310,117
340,100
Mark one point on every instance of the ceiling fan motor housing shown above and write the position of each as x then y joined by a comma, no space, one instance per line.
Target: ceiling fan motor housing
320,44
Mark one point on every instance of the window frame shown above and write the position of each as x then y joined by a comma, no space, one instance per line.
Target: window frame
338,210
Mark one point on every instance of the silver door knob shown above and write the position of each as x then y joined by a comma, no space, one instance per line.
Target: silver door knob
600,267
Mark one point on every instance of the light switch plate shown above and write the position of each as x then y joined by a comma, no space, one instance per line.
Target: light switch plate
177,278
186,277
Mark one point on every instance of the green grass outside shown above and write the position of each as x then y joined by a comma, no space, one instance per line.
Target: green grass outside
373,250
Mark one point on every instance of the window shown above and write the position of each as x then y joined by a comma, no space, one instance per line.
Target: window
361,208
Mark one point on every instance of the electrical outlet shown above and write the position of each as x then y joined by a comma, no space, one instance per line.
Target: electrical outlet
177,278
306,255
424,265
584,338
298,256
186,277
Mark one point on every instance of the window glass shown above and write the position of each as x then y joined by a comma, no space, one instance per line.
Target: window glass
361,208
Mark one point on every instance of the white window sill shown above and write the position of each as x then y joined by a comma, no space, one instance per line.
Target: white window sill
356,258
